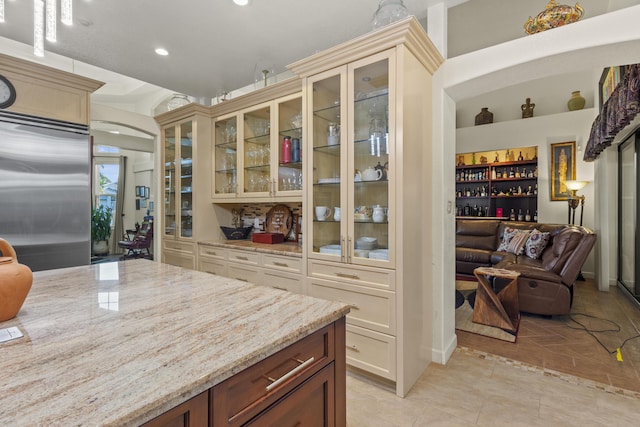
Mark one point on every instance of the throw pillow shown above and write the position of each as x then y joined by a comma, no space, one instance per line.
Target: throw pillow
536,244
507,235
518,241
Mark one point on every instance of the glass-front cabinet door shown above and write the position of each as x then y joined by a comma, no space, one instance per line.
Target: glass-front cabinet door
258,152
225,154
351,201
178,179
256,149
287,178
170,196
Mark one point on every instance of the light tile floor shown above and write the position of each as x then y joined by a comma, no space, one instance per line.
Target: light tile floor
476,389
552,376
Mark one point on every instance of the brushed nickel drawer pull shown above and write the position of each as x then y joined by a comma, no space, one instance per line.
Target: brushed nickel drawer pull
348,276
279,288
241,279
242,258
289,374
280,264
212,272
210,253
353,348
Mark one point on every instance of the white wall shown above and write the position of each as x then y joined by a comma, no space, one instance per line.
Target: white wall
542,132
606,40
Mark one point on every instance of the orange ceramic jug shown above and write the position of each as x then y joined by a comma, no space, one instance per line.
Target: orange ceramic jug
15,282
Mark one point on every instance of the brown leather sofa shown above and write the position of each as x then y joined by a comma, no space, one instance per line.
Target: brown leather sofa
545,285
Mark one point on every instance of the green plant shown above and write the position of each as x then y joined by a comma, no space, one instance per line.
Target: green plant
100,223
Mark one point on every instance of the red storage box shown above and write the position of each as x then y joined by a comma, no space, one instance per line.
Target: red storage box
268,237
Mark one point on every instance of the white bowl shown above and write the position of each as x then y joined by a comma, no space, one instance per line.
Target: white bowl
367,243
362,253
379,254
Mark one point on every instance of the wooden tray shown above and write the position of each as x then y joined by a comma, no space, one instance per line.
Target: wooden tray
279,220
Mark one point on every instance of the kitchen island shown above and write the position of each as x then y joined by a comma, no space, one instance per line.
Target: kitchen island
123,343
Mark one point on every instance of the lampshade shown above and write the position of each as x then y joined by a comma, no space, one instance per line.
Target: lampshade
576,185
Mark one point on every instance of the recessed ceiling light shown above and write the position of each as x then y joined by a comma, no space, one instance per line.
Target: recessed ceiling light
241,2
162,51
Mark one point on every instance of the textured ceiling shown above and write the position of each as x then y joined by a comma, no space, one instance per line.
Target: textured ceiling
214,45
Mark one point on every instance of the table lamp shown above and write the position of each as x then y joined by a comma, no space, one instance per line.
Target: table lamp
575,200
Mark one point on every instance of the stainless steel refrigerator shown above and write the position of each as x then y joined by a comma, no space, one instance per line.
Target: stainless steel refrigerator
45,194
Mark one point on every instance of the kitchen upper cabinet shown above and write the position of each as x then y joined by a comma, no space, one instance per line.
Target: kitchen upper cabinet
367,193
352,186
257,154
185,213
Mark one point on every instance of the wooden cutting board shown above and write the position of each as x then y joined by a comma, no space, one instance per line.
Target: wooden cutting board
279,220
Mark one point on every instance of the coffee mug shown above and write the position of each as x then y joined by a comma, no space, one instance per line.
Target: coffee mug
336,213
322,213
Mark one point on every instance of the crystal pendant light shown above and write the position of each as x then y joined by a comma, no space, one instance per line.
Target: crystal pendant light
389,11
38,27
66,12
177,100
51,12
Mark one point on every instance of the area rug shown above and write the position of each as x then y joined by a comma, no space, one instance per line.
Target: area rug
463,322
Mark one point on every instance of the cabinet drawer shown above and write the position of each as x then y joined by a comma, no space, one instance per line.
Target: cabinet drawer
370,308
243,257
246,394
212,252
366,276
283,263
243,272
285,281
371,351
219,268
174,245
179,259
308,405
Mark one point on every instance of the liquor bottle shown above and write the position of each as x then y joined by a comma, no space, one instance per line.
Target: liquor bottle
527,217
520,158
512,215
535,190
511,173
457,176
493,173
467,210
535,216
520,216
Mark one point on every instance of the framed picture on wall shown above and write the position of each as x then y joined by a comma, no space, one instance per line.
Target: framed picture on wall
138,190
146,192
563,168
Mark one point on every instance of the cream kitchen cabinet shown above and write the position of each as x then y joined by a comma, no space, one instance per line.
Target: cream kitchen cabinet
257,152
367,136
261,268
184,210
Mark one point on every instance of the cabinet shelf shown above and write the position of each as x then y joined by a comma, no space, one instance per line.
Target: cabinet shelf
259,140
227,171
293,132
333,150
515,196
330,114
232,145
292,165
492,200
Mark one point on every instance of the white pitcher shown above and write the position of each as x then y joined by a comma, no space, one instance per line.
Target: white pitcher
336,213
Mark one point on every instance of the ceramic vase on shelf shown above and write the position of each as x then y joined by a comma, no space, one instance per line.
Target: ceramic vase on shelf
576,102
15,282
484,116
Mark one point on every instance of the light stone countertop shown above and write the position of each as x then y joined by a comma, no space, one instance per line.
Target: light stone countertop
120,343
292,249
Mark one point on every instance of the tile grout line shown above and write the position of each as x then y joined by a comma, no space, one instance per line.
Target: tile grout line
572,379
